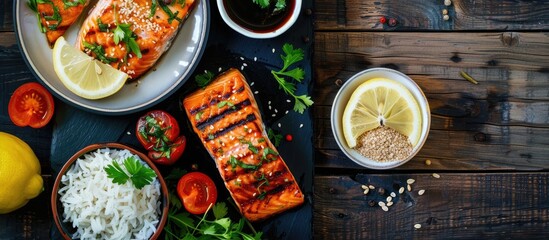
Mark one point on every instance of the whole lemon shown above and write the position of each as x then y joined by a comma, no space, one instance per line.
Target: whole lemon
20,178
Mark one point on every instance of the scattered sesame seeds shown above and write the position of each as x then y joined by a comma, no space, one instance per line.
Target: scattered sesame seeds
371,187
390,204
242,68
300,125
389,199
381,204
270,107
244,64
410,181
364,187
286,112
279,125
401,190
393,194
366,191
269,102
288,100
256,92
273,50
385,208
129,133
255,59
409,188
274,115
219,69
242,58
417,226
435,175
276,110
252,83
421,192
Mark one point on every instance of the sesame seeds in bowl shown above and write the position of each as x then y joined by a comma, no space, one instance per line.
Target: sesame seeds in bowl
377,145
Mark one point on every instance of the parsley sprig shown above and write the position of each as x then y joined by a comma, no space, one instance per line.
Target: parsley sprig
135,171
203,79
279,5
292,55
123,33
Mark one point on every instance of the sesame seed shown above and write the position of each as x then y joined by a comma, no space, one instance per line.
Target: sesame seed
390,204
385,208
300,125
288,100
241,58
276,111
270,107
286,112
219,69
366,191
420,192
255,59
274,115
279,125
410,181
381,204
242,68
401,190
273,50
364,187
393,194
435,175
371,187
256,92
244,64
409,188
129,133
252,83
269,102
389,199
417,226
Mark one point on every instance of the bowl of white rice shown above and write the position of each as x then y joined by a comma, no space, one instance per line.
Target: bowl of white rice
87,204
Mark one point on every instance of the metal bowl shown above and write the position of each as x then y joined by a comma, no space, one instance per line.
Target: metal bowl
343,96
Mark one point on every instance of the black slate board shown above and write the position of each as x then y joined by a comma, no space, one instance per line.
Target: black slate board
75,128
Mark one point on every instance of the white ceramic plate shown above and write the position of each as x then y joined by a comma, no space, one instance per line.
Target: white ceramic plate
169,73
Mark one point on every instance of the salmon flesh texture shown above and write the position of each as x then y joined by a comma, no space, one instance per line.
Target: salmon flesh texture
154,24
56,16
226,118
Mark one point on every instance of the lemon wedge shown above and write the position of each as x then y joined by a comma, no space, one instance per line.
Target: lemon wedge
83,75
381,101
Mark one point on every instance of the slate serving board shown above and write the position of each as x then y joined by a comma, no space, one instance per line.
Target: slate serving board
76,128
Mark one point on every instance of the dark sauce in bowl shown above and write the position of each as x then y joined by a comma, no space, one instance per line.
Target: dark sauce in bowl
251,16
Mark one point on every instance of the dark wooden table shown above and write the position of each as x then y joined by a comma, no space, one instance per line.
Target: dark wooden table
488,142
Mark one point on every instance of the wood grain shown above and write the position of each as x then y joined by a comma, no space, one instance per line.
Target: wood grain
418,15
456,206
6,16
506,112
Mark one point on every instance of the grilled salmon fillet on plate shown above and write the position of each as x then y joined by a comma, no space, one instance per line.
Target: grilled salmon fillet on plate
226,118
131,35
56,16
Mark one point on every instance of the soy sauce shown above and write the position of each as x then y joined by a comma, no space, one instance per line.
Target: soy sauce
251,16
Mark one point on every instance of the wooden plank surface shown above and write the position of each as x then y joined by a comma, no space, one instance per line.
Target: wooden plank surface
455,206
418,15
506,112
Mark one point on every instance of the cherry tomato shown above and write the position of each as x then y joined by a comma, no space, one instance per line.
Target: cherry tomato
197,191
31,105
156,129
168,154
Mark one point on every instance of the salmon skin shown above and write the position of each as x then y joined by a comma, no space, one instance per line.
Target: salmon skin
131,35
226,118
56,16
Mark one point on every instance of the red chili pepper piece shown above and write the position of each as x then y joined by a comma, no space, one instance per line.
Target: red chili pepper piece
289,137
382,20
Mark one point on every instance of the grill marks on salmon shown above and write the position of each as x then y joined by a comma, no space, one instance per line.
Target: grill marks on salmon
226,118
56,16
154,26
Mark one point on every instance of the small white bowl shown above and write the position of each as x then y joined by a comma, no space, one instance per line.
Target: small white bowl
343,96
295,12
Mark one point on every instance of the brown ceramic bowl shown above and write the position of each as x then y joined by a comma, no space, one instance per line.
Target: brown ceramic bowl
66,228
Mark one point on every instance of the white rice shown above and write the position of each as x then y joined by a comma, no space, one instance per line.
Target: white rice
101,209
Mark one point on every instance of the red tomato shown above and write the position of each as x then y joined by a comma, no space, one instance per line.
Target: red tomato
156,129
31,105
197,191
169,153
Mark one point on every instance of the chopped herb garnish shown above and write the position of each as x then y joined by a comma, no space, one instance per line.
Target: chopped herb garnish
33,5
262,195
136,172
198,115
70,3
123,33
260,140
211,136
225,103
102,26
154,5
268,151
251,146
235,162
202,80
292,56
171,15
99,52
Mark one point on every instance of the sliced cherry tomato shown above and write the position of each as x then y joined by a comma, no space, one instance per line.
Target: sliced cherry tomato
197,191
31,105
169,153
156,129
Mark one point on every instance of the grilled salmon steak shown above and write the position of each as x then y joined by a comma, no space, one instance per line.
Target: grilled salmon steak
131,35
226,118
56,16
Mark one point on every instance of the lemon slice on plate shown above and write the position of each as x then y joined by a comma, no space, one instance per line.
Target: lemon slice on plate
381,101
83,75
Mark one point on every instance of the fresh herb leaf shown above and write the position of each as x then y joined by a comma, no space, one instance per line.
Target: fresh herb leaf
251,146
171,15
154,5
202,80
198,115
139,175
262,3
274,137
280,5
235,162
225,103
268,151
102,26
292,56
175,174
71,3
220,210
99,52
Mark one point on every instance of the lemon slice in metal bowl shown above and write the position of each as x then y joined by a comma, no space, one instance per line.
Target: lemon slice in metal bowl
83,75
381,102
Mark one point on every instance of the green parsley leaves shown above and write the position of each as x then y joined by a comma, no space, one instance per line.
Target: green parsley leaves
292,56
279,5
135,171
124,33
202,80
